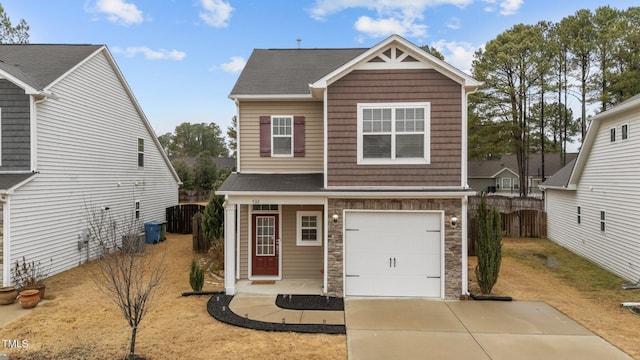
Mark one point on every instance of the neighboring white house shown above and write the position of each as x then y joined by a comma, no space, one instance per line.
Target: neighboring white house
73,139
593,204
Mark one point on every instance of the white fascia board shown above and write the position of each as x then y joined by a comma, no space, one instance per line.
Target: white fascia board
29,90
464,79
280,197
282,97
138,108
568,187
15,187
502,170
590,137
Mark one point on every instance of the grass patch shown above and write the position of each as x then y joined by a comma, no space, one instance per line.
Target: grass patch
580,273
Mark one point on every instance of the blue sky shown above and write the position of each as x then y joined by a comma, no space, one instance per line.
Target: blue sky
182,57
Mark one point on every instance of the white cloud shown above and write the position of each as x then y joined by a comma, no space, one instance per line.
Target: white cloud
458,54
118,11
402,17
150,54
385,27
510,7
234,66
454,23
216,12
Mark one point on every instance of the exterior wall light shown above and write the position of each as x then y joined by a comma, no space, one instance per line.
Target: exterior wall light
335,218
454,221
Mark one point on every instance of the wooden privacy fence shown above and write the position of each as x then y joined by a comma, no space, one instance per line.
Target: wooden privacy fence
517,224
200,244
179,218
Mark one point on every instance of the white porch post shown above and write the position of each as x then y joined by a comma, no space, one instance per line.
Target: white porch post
229,247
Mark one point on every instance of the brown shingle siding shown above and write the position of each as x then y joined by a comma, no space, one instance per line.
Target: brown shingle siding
367,86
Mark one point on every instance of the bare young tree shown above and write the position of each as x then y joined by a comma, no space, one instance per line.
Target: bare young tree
124,272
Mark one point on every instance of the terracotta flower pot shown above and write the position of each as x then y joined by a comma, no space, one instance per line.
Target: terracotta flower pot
29,298
8,295
40,287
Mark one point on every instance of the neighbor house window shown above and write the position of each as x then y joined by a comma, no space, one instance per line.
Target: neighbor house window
612,134
309,228
395,133
137,210
603,220
579,211
282,136
506,183
140,152
624,131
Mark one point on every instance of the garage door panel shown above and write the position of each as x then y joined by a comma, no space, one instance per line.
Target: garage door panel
393,254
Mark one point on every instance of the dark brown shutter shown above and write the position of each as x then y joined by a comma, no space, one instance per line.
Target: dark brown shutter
265,136
298,136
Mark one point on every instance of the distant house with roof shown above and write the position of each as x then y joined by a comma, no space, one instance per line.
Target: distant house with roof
73,140
500,176
592,204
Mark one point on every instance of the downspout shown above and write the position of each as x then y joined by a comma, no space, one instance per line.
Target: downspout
6,237
33,131
465,199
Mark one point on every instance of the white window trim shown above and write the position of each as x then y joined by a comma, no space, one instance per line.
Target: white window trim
579,214
612,131
603,221
136,210
622,132
140,152
274,136
510,183
299,241
397,161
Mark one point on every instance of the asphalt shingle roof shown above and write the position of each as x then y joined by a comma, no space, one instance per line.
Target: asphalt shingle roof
273,183
38,65
561,177
7,181
289,71
488,168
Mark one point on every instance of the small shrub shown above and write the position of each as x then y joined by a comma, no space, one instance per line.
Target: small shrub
488,247
196,276
29,273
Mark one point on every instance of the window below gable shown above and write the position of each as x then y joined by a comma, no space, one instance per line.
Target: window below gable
612,134
624,132
394,133
140,152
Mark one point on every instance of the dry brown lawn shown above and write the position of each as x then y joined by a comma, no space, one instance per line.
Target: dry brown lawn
79,322
539,270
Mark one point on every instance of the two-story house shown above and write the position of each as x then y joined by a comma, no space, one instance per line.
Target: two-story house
73,141
351,169
592,203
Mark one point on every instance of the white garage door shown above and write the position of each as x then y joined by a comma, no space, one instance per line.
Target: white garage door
393,254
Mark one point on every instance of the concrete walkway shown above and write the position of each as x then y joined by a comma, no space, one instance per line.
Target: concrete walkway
263,308
447,330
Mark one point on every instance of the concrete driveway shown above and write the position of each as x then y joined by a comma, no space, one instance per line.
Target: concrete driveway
447,330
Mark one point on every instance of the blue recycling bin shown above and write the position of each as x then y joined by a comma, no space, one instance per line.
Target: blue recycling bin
152,232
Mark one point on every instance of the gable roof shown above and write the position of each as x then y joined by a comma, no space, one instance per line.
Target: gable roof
295,73
39,65
561,178
631,104
288,71
491,168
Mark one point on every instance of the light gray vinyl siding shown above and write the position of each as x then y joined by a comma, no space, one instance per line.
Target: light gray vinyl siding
15,111
87,158
609,182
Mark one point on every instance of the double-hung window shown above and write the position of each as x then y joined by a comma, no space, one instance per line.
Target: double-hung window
140,152
624,130
309,228
394,133
282,135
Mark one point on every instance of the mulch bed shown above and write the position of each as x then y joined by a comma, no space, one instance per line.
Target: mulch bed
310,302
218,307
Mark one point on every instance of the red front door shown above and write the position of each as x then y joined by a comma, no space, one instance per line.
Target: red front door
265,245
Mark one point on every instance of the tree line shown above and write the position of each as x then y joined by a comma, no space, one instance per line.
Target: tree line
533,73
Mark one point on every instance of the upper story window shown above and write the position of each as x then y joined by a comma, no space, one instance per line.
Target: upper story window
140,152
394,133
624,132
282,136
612,134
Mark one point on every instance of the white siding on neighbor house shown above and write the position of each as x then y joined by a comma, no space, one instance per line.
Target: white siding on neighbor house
87,157
609,182
249,130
